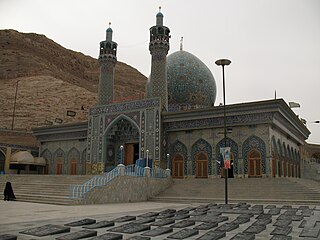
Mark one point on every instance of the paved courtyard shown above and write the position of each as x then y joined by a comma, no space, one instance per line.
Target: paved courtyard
159,220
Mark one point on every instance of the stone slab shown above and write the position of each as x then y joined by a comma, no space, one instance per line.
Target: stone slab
282,230
290,217
46,230
101,224
280,237
257,207
108,236
144,220
282,223
163,222
78,235
163,216
255,229
270,207
264,216
8,237
149,214
184,233
212,235
244,236
130,228
168,211
286,207
241,220
139,238
180,217
86,221
197,213
274,211
310,232
183,224
182,212
307,212
264,222
227,227
158,231
125,219
209,218
206,225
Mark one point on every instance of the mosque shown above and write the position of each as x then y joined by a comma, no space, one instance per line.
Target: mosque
177,125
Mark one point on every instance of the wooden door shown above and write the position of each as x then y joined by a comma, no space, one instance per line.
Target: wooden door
59,167
254,164
202,166
129,154
177,166
73,167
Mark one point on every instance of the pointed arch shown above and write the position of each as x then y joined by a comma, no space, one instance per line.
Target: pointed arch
201,146
82,164
73,160
117,119
58,160
234,152
274,154
2,160
178,148
254,142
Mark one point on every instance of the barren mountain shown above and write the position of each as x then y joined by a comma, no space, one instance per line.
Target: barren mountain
52,80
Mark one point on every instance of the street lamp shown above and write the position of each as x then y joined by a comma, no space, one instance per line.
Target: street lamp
14,104
121,151
147,158
224,62
168,160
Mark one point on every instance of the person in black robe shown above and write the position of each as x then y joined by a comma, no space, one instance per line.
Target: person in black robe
8,192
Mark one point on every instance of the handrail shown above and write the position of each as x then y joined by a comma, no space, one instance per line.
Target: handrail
79,191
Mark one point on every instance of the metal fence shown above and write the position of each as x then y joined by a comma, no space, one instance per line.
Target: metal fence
134,170
158,172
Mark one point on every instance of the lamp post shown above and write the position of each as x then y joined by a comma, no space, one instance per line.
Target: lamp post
168,160
147,158
224,62
14,104
121,151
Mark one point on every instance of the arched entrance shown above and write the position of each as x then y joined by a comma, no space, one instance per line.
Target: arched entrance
122,132
177,166
254,164
2,161
73,167
202,165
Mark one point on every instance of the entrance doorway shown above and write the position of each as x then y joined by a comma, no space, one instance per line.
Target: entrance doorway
177,166
202,166
73,167
2,161
59,167
131,153
254,164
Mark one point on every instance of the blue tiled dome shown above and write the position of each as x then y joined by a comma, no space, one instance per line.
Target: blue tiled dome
190,82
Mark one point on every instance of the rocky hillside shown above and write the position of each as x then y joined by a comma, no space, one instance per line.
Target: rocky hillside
52,80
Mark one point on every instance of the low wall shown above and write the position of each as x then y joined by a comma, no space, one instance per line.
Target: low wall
127,189
311,170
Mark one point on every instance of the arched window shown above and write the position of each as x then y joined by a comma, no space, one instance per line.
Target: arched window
254,164
177,166
202,165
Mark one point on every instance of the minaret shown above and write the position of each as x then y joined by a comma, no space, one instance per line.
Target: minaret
159,47
107,62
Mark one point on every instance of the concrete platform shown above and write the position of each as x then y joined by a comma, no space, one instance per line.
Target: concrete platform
16,217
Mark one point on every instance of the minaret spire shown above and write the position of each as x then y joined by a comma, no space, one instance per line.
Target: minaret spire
181,44
107,62
159,47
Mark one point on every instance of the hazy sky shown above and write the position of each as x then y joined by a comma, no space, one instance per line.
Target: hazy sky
273,44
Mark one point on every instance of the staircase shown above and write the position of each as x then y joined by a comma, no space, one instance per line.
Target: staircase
49,189
273,190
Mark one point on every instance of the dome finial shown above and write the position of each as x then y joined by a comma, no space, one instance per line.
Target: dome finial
181,44
159,8
109,24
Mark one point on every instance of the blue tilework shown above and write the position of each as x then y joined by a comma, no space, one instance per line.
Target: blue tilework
257,143
201,146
